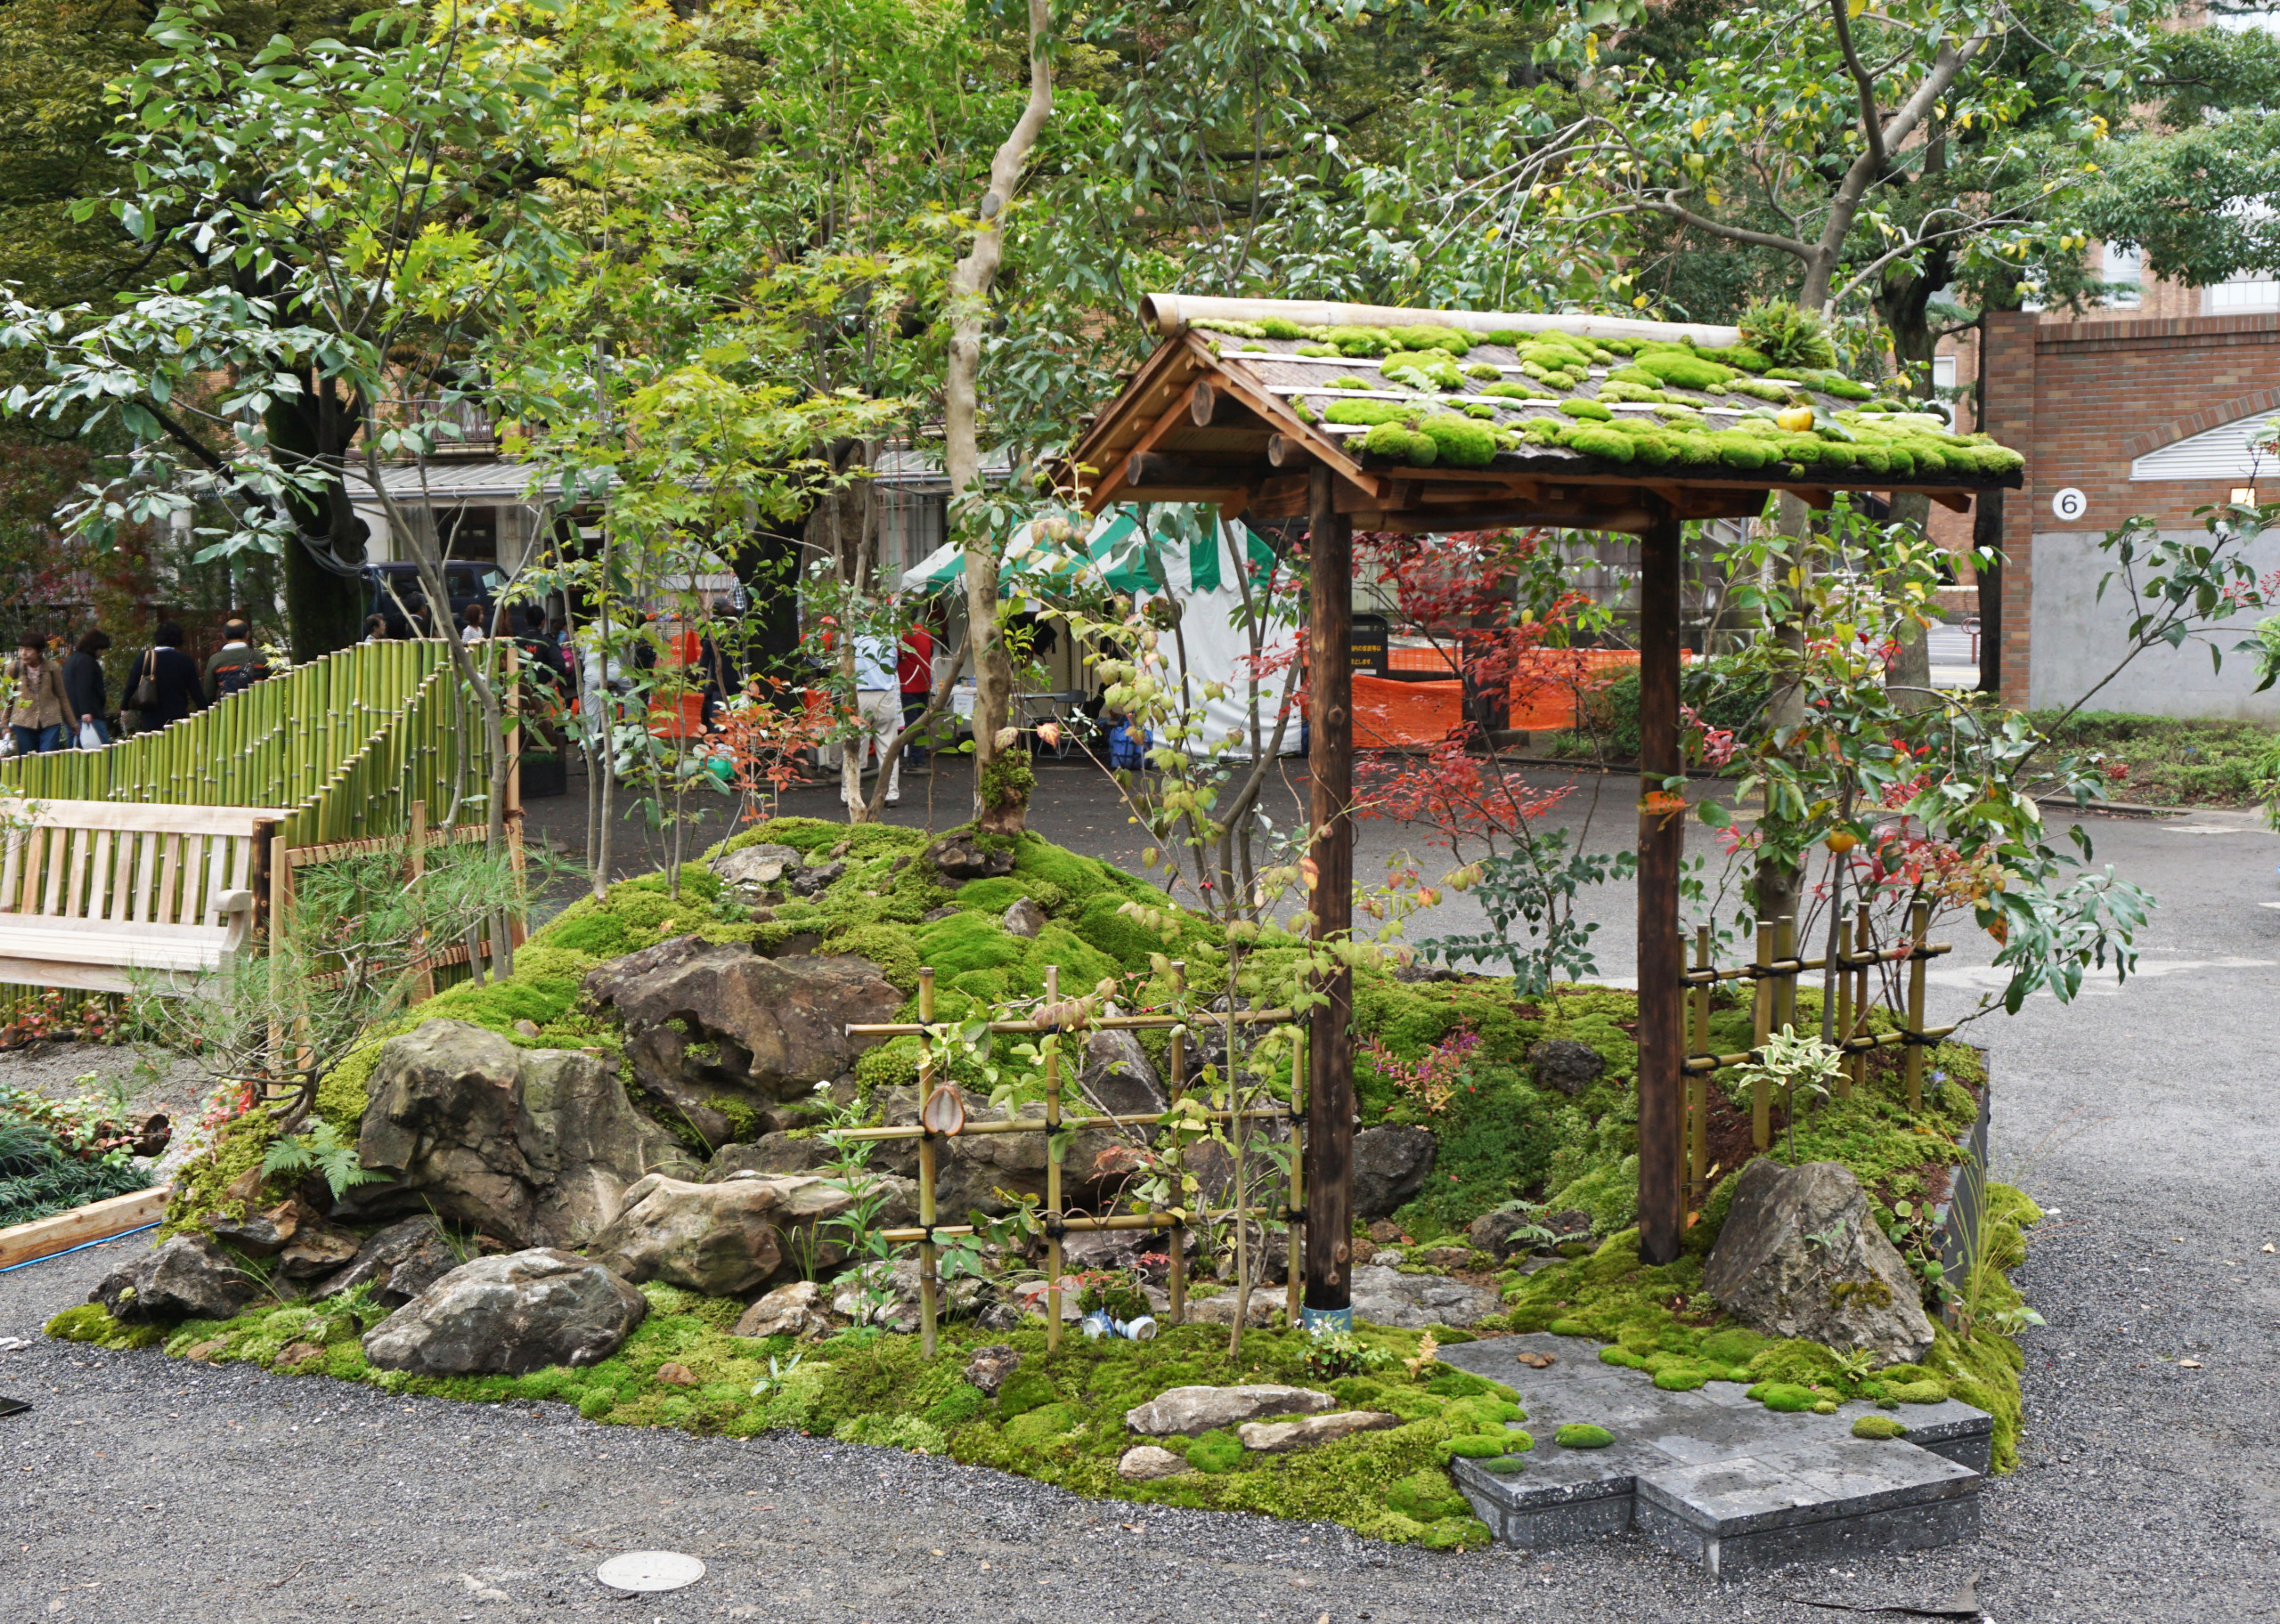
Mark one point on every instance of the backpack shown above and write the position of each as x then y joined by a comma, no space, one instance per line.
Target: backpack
237,679
1128,748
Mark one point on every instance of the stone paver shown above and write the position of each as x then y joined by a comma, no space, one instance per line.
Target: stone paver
1714,1476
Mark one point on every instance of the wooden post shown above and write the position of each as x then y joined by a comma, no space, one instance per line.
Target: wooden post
926,1288
1052,1175
1329,1175
1761,1024
1662,960
1920,921
418,866
1785,951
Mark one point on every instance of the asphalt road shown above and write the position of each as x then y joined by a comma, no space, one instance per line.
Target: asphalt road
2144,1117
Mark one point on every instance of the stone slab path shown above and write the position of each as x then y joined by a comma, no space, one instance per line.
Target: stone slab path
1713,1475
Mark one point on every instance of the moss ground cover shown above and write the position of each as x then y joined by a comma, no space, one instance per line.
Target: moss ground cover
1502,1137
2171,762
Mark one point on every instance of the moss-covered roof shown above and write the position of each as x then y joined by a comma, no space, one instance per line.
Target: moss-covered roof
1576,418
1553,399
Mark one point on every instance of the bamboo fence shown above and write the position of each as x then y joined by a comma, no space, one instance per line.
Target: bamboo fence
1773,972
1053,1219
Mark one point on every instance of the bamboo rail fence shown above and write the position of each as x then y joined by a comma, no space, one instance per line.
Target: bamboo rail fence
352,742
1056,1222
1774,971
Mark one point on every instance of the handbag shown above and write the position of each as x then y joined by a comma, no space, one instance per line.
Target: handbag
145,697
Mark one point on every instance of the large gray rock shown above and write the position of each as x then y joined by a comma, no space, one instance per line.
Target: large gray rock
533,1146
1280,1437
1390,1166
509,1315
728,1238
1024,918
780,1151
1799,1257
1188,1411
796,1309
723,1038
188,1278
962,856
401,1261
1386,1296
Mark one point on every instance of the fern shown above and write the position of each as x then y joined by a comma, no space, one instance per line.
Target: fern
320,1149
1786,334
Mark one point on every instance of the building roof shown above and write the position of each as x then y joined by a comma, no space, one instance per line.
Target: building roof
1436,419
450,483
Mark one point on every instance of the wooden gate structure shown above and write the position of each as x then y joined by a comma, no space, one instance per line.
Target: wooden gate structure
1267,407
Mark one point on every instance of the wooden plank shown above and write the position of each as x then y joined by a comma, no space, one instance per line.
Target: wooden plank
60,842
169,907
65,973
135,815
1662,953
97,1221
1330,1049
11,868
1174,418
146,864
75,906
36,845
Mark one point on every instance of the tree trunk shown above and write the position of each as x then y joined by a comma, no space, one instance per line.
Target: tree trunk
1001,781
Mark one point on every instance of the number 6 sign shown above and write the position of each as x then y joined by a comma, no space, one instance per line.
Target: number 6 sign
2070,503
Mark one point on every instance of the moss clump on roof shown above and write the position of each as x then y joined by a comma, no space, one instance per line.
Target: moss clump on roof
1403,444
1282,327
1600,440
1585,409
1318,349
1362,414
1423,370
1361,341
1447,339
1515,392
1684,369
1460,441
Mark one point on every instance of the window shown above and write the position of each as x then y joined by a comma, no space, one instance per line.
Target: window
2249,292
2123,263
1943,372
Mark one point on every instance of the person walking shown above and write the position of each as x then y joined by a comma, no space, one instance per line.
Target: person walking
176,687
83,680
471,627
878,708
41,708
915,675
235,666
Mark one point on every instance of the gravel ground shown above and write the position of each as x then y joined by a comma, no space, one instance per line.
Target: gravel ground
138,1488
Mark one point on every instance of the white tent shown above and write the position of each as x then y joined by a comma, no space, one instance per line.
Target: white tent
1214,633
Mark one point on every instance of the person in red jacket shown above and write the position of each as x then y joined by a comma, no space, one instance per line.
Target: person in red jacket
915,675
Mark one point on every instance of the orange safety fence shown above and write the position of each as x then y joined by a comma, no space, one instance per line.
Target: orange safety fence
1393,714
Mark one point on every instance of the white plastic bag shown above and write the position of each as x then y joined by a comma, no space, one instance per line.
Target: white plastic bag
90,736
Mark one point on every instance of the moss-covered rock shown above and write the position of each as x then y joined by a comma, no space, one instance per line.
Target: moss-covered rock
1583,1435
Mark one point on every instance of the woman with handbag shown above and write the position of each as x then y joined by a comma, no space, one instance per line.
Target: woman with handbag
41,707
166,685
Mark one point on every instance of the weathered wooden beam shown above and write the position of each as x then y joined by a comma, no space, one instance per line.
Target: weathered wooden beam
1174,417
1210,407
1330,770
1662,842
98,1221
1151,468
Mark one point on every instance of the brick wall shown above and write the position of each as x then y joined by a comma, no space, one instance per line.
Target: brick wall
2083,399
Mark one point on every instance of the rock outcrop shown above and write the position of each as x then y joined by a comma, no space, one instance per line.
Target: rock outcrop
723,1038
1390,1166
1386,1296
1800,1256
1566,1065
533,1146
401,1261
509,1315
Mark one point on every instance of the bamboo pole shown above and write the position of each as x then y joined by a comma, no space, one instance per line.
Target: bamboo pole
1843,994
1859,1062
1176,1282
1919,919
1052,1175
1698,1146
926,1300
1294,1226
1761,1022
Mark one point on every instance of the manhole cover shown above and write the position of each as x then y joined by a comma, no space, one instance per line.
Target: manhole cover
650,1571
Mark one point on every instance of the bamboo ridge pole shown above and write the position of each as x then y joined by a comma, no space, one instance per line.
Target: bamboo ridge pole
926,1302
1053,1225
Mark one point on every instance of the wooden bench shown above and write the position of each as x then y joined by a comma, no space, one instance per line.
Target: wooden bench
94,893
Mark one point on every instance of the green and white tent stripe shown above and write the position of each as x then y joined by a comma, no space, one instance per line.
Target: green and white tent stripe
1115,553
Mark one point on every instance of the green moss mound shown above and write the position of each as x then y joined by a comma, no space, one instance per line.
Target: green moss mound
1878,1428
1583,1435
